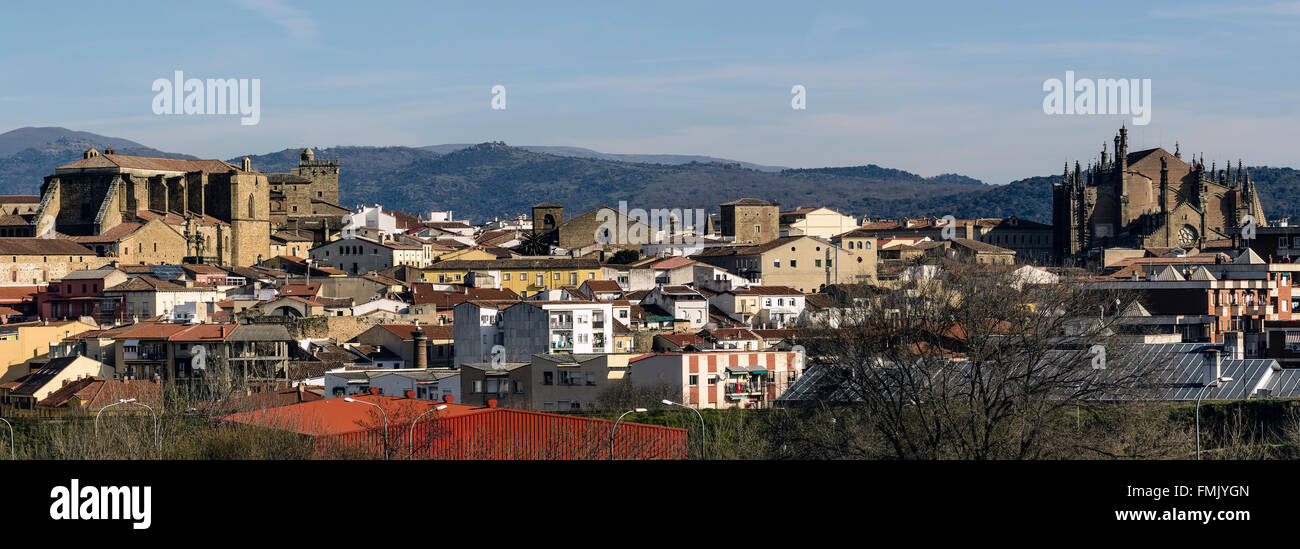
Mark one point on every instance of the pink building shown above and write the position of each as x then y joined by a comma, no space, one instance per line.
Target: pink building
721,379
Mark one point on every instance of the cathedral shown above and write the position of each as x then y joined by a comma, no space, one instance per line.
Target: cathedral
195,211
1149,199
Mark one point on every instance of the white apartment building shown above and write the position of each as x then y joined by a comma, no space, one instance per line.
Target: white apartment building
681,303
525,328
476,328
761,306
534,327
369,216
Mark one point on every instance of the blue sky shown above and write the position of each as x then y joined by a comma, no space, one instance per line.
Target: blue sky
923,86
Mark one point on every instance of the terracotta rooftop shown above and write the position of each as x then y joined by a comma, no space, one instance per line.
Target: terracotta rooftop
41,246
148,163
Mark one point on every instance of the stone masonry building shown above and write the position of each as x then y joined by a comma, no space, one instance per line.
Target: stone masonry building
1149,199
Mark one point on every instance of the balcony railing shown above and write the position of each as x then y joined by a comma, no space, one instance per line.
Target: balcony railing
744,388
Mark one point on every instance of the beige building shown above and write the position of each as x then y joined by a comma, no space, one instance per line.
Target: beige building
551,382
804,263
359,255
820,222
24,391
151,242
28,344
41,260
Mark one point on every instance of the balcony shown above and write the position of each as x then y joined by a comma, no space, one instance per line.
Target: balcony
560,325
741,389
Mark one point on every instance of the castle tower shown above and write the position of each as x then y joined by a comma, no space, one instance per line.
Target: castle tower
324,176
547,216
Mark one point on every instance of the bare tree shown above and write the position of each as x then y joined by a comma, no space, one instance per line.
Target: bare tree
978,364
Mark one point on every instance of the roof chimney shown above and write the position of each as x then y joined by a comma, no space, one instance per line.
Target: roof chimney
1212,368
421,344
410,394
492,403
448,399
375,390
247,164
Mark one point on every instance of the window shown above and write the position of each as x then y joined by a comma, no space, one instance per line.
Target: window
776,263
817,263
478,386
591,379
829,261
694,380
758,229
792,264
505,277
555,276
548,378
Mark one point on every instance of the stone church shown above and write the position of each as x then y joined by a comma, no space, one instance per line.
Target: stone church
221,212
1149,199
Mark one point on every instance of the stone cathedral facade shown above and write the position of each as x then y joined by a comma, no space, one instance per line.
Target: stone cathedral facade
1149,199
198,211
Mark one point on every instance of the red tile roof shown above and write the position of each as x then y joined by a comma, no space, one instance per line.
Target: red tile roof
309,290
148,163
672,263
432,331
41,246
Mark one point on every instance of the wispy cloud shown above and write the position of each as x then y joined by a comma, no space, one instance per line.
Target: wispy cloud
299,25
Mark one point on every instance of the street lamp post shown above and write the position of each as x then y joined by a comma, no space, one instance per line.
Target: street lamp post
381,411
697,412
615,427
156,443
1220,382
410,444
12,455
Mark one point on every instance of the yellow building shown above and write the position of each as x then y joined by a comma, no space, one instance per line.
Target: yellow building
21,343
524,275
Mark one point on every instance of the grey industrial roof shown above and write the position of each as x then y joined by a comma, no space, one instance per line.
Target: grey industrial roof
1174,372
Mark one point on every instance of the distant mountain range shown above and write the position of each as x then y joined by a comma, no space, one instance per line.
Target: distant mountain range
579,152
487,180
